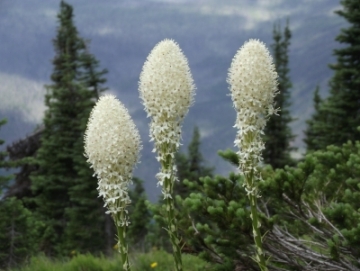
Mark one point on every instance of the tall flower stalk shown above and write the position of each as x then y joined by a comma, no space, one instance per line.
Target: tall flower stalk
166,88
112,146
253,85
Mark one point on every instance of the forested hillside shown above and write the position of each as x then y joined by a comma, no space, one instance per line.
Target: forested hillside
123,32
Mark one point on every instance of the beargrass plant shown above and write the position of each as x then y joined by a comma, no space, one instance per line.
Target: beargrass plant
112,146
253,85
166,88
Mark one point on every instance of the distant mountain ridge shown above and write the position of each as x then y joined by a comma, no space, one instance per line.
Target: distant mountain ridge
122,34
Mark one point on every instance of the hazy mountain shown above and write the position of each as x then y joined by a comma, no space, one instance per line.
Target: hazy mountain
122,34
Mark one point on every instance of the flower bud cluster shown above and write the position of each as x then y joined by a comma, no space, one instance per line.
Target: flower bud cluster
167,91
170,174
112,146
253,85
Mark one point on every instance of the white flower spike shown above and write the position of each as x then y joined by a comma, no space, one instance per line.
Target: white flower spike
253,85
167,91
112,146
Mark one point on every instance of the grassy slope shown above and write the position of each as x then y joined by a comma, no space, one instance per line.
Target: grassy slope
156,260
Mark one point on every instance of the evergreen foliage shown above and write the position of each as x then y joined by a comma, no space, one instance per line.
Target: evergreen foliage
340,111
317,203
218,223
64,190
4,180
314,131
308,212
190,169
19,233
21,155
278,135
191,166
157,237
139,217
19,229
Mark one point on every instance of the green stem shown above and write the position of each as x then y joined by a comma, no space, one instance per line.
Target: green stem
260,257
170,210
122,244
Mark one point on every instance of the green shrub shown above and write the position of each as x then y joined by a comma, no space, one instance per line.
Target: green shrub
309,214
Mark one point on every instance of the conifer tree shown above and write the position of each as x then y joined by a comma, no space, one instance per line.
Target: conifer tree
340,110
3,164
86,215
64,189
313,131
19,232
19,229
278,135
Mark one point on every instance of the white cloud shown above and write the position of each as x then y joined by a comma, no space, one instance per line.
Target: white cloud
22,95
331,11
49,13
254,13
107,30
206,131
26,96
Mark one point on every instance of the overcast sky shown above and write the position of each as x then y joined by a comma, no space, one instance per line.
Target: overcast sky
29,24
